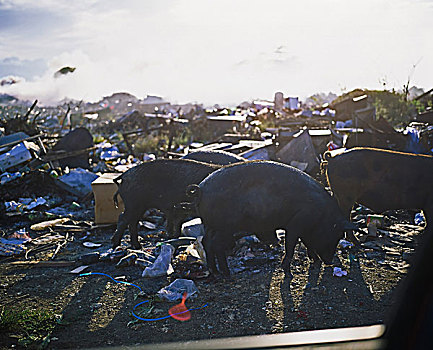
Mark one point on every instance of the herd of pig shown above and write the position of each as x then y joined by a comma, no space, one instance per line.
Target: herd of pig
232,195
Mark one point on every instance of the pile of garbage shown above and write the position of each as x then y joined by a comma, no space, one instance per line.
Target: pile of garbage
57,166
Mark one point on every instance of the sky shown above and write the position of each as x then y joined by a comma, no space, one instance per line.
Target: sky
213,51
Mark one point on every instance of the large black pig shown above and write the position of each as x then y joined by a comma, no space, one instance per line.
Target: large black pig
215,157
260,197
156,184
381,180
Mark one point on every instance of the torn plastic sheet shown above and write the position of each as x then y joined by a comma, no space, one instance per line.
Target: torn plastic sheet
162,265
175,290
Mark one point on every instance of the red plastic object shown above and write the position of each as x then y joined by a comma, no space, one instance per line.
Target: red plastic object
179,311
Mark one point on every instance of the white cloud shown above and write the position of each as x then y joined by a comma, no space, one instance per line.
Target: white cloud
224,51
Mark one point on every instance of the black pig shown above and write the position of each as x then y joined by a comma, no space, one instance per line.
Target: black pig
382,180
156,184
215,157
260,197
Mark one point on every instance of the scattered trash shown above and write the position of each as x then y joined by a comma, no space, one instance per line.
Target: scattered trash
343,244
92,245
7,177
249,240
47,224
162,265
16,155
376,220
37,202
372,229
20,235
196,249
419,219
79,269
193,228
9,247
176,289
180,312
338,272
127,260
103,190
78,181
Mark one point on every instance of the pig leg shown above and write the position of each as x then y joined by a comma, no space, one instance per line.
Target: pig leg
122,224
290,244
133,231
314,259
209,249
345,203
222,259
350,236
170,223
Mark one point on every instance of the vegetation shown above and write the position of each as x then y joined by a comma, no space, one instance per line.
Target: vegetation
32,327
393,106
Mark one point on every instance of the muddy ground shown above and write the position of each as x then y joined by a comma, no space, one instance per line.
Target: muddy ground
258,299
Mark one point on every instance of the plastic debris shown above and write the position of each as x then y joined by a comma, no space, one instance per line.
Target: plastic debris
162,265
108,151
6,177
419,219
180,312
9,247
338,272
37,202
91,245
78,181
176,289
343,244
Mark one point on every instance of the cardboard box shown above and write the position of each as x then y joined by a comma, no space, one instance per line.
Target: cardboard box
103,191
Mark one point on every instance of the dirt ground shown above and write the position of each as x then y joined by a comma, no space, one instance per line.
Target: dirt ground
258,299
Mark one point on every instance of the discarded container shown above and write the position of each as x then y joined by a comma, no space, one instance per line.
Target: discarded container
103,190
162,265
175,290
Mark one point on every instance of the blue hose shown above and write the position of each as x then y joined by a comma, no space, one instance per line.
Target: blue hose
143,302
